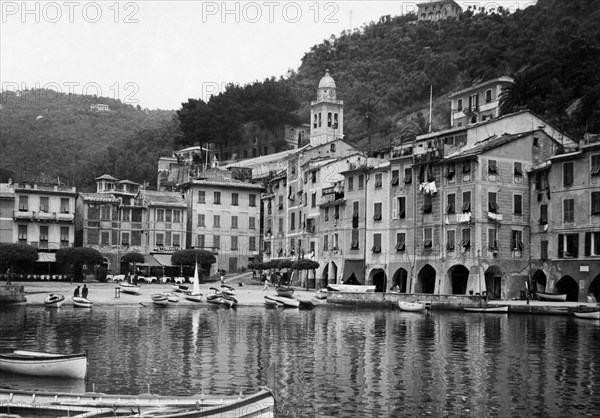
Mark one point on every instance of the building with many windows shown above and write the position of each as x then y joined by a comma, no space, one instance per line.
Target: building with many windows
434,10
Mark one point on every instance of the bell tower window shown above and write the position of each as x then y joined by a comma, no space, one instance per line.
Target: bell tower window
329,120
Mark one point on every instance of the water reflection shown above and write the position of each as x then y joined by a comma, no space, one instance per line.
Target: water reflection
333,361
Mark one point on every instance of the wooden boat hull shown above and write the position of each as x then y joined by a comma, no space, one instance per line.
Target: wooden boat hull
180,288
130,289
37,403
271,302
34,363
489,309
556,297
227,290
229,301
287,302
171,297
194,298
588,314
285,292
411,306
54,300
80,302
305,303
351,288
321,294
160,299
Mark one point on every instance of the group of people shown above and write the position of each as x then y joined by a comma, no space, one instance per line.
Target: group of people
84,292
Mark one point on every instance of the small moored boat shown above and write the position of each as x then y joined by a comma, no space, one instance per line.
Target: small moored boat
229,300
80,302
129,288
556,297
160,299
411,306
179,288
594,314
351,288
54,300
228,290
270,301
285,292
305,303
321,294
39,403
287,302
34,363
194,295
488,309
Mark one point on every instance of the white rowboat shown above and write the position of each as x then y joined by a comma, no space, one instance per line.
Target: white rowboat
588,314
80,302
160,299
557,297
411,306
35,363
54,300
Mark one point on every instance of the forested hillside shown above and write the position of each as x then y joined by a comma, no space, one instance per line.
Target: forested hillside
384,72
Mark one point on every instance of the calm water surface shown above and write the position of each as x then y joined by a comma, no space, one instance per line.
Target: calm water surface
328,361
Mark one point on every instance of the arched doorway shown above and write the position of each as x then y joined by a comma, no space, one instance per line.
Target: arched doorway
493,282
538,282
569,286
426,280
332,276
459,277
595,288
401,280
379,280
325,274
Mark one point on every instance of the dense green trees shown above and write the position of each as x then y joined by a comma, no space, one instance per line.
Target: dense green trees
77,257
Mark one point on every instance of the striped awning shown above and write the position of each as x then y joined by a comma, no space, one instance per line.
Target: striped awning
163,259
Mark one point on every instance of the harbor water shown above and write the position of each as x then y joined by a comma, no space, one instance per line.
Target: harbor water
332,361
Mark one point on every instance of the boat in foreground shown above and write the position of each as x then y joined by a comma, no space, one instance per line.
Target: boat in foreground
34,363
129,288
270,301
588,314
38,403
160,299
80,302
556,297
54,300
489,309
285,292
411,306
194,295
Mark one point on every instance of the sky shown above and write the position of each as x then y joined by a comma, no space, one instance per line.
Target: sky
158,54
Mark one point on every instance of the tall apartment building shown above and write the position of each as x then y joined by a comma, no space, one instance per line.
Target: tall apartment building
40,215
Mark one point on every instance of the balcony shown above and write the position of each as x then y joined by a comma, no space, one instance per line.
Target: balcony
24,215
65,217
46,216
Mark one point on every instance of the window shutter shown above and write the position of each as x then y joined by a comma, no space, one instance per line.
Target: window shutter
588,243
560,245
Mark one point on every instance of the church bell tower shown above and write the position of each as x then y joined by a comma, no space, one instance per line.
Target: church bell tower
326,113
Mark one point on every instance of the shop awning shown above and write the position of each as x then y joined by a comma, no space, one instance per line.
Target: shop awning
354,268
46,258
162,259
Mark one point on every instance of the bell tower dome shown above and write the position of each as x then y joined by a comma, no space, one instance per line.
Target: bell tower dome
326,113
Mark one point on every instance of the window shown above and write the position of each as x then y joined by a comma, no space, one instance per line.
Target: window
354,244
105,213
474,102
595,162
427,203
217,198
332,147
234,242
466,238
313,200
488,96
160,239
217,242
518,170
44,204
407,176
234,199
319,119
201,241
335,242
216,221
569,210
292,221
466,206
252,223
428,237
595,203
518,204
168,215
376,248
160,215
64,205
378,180
516,241
361,181
544,250
336,212
234,222
543,214
459,104
400,241
252,243
592,243
492,202
105,238
23,203
126,215
567,174
252,200
355,209
568,245
201,220
44,236
450,239
125,238
350,183
201,196
176,215
492,167
492,241
395,177
168,239
313,176
325,243
450,207
450,171
466,167
401,211
377,211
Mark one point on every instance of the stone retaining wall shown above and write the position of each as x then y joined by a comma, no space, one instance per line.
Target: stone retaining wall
12,294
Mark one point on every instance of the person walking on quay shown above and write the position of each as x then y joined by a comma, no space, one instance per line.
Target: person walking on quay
8,276
76,292
266,280
222,278
84,292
